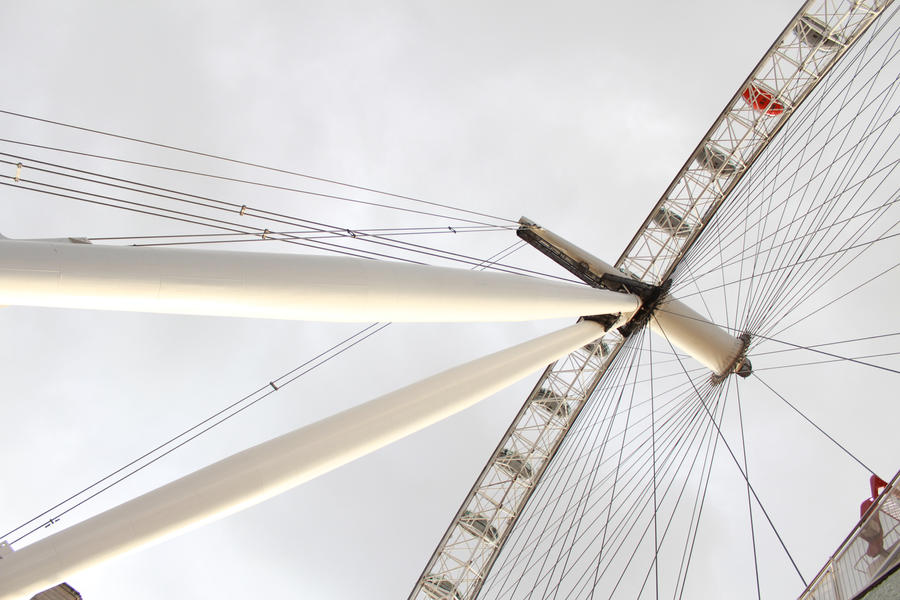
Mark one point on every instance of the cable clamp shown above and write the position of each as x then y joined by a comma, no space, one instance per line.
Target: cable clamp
451,229
265,233
353,235
274,387
243,209
18,172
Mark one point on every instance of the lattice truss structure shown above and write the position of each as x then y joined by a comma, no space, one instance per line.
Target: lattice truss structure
810,45
807,49
473,541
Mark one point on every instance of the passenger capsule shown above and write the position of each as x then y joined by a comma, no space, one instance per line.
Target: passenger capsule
814,33
440,588
717,161
553,404
599,346
762,99
514,464
479,526
672,222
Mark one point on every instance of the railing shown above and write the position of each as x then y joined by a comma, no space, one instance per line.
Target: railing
871,550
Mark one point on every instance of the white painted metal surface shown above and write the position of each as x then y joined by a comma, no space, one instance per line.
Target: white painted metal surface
595,265
281,286
273,467
691,332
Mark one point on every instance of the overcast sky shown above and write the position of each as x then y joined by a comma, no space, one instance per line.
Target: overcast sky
577,115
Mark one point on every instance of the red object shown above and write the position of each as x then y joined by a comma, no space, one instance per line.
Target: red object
877,485
865,506
762,100
872,531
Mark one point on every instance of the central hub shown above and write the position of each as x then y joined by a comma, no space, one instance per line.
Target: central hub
679,324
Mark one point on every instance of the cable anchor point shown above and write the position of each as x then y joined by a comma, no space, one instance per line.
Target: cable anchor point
742,367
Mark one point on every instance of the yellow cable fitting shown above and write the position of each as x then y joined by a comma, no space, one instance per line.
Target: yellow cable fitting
18,172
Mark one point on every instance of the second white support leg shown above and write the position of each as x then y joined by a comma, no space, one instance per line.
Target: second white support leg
273,467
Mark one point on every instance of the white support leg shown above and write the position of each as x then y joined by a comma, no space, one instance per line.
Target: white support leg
273,467
281,286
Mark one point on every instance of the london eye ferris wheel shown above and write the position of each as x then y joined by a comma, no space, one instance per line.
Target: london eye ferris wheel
629,471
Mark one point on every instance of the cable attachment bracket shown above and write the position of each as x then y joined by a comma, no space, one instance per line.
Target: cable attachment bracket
742,367
620,283
651,296
608,321
18,172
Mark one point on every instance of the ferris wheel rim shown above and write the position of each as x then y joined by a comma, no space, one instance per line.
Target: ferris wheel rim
556,411
669,268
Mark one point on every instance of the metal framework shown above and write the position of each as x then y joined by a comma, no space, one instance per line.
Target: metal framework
54,273
811,44
500,492
852,568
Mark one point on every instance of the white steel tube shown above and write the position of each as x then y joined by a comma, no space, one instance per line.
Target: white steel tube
273,467
281,286
599,267
689,331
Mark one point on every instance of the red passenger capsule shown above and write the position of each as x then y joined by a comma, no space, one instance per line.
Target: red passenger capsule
763,100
